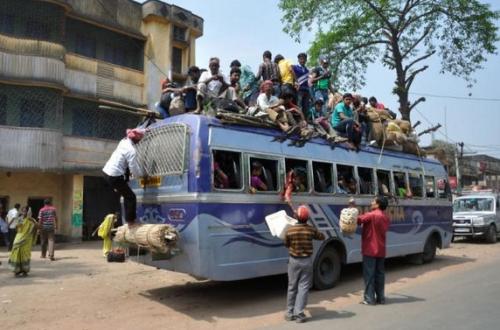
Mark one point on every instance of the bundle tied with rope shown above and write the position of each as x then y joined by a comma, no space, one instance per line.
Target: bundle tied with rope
159,238
348,220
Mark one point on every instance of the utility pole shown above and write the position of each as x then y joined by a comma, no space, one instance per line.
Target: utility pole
457,166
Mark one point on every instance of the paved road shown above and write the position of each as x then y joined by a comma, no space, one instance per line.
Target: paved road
462,300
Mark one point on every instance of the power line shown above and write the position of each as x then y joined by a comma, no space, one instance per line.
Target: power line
456,97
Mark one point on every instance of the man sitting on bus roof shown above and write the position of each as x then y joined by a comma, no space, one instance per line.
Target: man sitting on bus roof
343,121
270,105
212,83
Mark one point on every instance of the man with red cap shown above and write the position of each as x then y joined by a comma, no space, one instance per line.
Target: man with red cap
117,169
298,240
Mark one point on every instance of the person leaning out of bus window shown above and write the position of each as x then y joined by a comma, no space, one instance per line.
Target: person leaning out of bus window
298,240
221,180
403,189
256,183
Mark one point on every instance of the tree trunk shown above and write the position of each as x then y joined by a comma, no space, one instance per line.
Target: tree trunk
400,89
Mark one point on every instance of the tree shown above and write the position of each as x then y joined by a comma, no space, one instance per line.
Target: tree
402,34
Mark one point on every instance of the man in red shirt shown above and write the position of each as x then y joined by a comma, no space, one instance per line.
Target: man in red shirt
375,224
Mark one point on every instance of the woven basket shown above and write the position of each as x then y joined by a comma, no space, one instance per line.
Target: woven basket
159,238
349,220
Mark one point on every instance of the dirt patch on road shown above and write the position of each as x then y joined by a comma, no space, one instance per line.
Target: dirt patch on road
82,291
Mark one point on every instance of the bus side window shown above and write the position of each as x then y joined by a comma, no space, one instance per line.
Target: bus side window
416,185
263,174
430,187
300,168
322,173
384,182
402,188
346,182
443,188
366,182
226,170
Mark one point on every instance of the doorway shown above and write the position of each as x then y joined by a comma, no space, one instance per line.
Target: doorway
36,203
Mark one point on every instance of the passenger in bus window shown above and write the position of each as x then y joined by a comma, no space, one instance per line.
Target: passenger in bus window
300,180
221,180
256,182
351,186
341,185
382,189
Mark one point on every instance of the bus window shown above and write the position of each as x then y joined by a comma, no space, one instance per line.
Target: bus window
300,169
430,187
384,182
322,173
400,185
443,188
366,182
263,174
226,170
416,185
346,182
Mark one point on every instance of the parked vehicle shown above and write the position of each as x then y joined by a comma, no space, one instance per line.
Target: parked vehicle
477,216
200,180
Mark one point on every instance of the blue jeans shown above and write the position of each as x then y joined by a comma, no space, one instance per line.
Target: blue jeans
322,94
374,277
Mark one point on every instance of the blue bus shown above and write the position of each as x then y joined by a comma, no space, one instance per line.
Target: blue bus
199,181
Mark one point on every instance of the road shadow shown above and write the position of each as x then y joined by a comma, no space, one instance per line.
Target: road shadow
396,298
321,313
210,300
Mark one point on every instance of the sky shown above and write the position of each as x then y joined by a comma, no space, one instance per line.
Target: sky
242,29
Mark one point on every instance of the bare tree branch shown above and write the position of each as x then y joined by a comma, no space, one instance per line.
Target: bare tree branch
408,66
411,77
428,30
414,19
380,14
420,100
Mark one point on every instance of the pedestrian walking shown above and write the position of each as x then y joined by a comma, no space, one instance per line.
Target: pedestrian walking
375,224
47,219
20,256
13,220
4,229
298,240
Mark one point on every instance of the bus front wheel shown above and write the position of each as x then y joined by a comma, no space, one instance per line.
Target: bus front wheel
327,269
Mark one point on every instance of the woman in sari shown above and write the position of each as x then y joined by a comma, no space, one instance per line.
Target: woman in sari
20,255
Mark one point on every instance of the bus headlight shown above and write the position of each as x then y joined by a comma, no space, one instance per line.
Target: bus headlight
479,221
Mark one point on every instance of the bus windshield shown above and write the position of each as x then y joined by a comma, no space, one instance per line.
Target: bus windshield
473,204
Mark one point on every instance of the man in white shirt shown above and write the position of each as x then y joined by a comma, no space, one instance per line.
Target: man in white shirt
13,220
115,171
212,83
269,104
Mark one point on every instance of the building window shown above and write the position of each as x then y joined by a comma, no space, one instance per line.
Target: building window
32,113
176,60
180,33
85,46
6,23
37,30
3,109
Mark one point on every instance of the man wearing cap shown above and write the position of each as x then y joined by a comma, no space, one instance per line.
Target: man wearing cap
298,240
320,80
120,164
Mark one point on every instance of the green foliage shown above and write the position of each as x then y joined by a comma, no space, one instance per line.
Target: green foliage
401,34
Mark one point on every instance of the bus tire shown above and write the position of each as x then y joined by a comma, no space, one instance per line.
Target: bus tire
491,235
327,269
429,249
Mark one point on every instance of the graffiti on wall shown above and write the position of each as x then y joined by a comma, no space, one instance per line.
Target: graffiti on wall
77,213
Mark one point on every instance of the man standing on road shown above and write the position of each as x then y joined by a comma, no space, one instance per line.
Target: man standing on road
375,224
298,240
13,220
47,219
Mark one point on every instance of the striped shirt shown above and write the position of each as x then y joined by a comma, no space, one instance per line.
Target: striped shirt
47,217
299,239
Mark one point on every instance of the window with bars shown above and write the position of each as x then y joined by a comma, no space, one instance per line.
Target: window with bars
179,33
6,23
32,113
3,109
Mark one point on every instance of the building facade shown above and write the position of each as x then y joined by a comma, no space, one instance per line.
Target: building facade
60,62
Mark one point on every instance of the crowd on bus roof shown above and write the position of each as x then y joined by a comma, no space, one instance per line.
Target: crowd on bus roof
297,99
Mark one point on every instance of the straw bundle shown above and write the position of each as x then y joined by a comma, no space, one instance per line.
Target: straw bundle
159,238
349,220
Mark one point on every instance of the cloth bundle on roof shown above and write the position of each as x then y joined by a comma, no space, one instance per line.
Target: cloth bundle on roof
376,115
349,220
158,238
411,147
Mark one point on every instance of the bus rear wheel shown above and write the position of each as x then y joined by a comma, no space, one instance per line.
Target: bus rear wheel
327,269
429,249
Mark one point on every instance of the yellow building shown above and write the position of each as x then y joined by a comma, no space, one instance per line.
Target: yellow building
59,61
